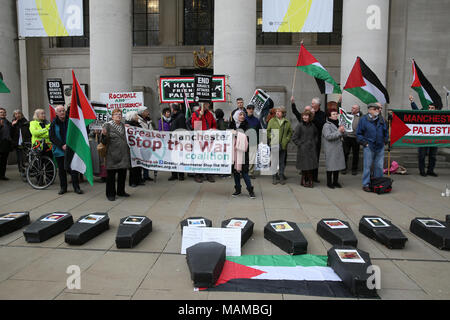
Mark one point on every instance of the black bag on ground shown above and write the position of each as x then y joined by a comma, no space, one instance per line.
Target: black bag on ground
381,185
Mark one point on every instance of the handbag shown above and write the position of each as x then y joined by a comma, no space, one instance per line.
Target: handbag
102,150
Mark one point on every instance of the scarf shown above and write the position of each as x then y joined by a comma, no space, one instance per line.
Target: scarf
118,127
335,122
236,118
240,146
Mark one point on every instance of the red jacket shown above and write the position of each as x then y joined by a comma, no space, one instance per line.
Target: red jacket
207,117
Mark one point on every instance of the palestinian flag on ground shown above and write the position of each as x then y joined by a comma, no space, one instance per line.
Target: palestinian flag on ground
81,115
308,64
301,274
365,85
3,87
424,89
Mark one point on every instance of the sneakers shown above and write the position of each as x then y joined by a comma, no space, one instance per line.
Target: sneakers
251,193
432,174
275,179
62,191
366,189
236,193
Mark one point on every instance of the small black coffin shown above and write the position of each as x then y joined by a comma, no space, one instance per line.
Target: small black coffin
351,265
132,230
195,222
337,232
10,222
246,230
87,227
47,226
433,231
287,236
205,261
383,231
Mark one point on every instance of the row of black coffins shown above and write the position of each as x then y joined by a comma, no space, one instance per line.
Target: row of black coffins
131,231
206,259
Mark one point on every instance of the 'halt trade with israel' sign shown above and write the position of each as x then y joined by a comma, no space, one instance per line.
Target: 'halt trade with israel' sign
413,128
171,88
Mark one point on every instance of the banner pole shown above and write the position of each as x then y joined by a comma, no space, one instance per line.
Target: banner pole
389,146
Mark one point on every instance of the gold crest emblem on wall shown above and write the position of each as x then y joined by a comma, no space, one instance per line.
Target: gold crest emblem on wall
202,59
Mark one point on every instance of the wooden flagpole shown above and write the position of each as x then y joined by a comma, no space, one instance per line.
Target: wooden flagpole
295,74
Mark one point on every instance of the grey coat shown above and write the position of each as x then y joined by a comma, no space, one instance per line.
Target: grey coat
332,146
305,138
118,153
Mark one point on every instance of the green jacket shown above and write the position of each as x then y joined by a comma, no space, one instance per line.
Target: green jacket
285,133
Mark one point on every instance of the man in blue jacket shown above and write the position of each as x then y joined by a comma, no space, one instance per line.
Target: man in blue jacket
372,134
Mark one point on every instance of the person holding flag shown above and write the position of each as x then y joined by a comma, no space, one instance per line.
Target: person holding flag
350,142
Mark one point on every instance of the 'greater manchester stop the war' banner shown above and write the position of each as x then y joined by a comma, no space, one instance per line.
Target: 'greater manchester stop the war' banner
411,128
181,151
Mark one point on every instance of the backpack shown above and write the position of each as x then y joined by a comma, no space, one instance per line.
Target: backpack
381,185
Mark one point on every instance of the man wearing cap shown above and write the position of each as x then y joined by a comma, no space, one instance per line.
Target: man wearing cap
372,134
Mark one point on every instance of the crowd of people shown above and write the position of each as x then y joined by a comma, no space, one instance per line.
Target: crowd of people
316,130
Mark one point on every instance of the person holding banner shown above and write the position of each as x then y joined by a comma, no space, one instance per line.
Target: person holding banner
178,123
164,121
350,142
305,137
241,154
146,123
117,155
372,134
424,151
332,135
135,179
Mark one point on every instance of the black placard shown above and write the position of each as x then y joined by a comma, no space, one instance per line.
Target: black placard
202,87
55,92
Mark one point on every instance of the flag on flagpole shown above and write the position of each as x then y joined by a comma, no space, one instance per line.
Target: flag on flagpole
424,89
81,114
365,85
186,104
3,87
308,64
52,112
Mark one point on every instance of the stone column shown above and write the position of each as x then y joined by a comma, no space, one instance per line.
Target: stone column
9,57
110,46
365,26
235,47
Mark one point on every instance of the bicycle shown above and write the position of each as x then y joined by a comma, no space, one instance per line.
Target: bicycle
25,149
41,170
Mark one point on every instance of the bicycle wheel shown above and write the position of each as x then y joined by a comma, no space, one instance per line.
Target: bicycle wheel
41,172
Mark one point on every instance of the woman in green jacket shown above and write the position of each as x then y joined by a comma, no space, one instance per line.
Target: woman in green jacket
279,133
39,128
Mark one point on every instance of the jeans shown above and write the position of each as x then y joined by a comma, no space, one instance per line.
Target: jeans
237,180
431,151
375,159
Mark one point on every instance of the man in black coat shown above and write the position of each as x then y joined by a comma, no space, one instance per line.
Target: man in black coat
178,123
5,142
319,120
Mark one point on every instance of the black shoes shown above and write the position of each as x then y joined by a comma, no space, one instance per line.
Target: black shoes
237,192
62,191
337,185
367,189
432,174
423,174
111,198
210,178
172,178
78,191
181,178
123,195
251,193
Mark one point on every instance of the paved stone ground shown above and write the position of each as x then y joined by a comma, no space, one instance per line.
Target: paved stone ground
155,269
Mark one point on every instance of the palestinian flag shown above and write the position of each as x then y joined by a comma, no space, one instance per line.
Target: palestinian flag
346,120
300,274
365,85
187,106
81,115
52,112
3,87
308,64
424,89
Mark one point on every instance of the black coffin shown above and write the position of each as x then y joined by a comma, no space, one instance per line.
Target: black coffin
10,222
132,230
246,231
205,261
291,241
433,231
47,226
87,227
447,218
195,222
383,231
337,232
354,274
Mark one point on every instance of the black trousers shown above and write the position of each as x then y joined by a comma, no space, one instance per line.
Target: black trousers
316,171
178,175
111,190
431,152
135,176
63,175
3,163
350,143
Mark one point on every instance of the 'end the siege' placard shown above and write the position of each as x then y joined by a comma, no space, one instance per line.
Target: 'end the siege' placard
413,128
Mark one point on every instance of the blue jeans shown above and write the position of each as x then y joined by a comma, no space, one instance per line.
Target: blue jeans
237,180
375,159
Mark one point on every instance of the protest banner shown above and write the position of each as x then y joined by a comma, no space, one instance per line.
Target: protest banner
418,128
55,92
172,88
259,99
202,88
125,101
346,120
181,151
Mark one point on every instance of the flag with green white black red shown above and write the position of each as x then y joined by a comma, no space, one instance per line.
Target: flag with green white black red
3,87
299,274
365,85
81,115
308,64
424,89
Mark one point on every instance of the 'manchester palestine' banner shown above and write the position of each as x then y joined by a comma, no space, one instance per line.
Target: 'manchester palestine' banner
412,128
171,89
181,151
